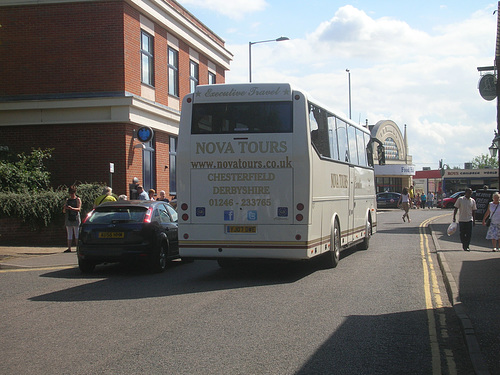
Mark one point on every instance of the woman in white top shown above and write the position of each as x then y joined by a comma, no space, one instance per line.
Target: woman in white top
404,200
493,233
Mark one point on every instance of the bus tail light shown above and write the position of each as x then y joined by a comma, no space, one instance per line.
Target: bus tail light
300,206
299,217
186,236
184,206
298,237
185,217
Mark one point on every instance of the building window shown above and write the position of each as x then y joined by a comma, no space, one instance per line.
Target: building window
173,72
173,166
391,149
147,62
193,75
211,78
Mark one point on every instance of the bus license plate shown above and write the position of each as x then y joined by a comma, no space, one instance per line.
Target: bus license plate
243,229
111,235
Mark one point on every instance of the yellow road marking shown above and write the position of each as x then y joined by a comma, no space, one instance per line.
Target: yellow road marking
36,269
433,301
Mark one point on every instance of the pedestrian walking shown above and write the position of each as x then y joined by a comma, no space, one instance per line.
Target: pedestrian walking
491,214
71,212
466,208
423,200
430,201
404,202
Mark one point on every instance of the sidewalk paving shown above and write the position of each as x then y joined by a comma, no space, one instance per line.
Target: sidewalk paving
36,257
472,280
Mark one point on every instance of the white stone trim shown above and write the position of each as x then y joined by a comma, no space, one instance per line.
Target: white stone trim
126,109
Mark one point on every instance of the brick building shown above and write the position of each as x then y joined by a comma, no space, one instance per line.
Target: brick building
83,76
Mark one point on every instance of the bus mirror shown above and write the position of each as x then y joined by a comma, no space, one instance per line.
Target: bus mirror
381,154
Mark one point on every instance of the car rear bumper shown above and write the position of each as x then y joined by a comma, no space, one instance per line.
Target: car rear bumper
113,253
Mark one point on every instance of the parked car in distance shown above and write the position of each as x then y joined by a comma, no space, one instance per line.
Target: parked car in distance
129,230
387,200
450,201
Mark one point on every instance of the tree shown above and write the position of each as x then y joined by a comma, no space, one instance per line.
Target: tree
25,172
484,161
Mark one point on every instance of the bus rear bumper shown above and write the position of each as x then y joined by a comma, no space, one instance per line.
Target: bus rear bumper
209,252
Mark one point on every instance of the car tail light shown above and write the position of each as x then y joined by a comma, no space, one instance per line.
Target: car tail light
147,217
87,217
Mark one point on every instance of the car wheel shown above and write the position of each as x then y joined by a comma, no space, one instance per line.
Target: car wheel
86,266
158,261
332,257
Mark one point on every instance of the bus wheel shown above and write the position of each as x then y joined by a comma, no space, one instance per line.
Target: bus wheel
333,256
366,242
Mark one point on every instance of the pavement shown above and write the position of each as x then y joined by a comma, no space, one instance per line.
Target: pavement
472,280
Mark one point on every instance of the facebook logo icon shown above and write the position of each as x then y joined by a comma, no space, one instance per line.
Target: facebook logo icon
229,215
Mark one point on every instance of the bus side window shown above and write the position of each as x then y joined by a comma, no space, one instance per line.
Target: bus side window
353,148
332,133
319,130
342,140
361,148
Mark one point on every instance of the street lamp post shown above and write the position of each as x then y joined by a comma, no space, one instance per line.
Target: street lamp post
280,39
349,80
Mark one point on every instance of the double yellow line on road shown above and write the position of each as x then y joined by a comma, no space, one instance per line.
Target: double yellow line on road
10,270
434,303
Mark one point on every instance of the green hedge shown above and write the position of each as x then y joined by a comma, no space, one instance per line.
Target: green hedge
41,208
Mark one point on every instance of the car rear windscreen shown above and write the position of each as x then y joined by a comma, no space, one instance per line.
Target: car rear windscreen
110,215
241,118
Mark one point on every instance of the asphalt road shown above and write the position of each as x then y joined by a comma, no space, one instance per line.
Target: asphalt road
381,311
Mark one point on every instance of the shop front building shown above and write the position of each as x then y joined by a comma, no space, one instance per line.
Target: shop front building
398,169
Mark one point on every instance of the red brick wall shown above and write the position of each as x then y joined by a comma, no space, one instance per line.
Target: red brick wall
13,232
62,48
132,53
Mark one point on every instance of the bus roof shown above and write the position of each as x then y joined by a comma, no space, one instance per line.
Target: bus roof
255,92
249,92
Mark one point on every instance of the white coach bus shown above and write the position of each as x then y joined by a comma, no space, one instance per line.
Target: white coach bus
264,172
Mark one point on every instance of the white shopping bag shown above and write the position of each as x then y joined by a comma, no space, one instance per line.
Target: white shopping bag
452,228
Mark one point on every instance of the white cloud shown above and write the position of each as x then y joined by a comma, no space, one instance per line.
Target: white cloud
425,80
235,9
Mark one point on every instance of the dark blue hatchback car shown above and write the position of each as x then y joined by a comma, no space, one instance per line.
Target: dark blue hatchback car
387,200
129,230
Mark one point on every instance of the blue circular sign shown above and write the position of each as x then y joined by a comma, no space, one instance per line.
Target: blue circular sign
145,134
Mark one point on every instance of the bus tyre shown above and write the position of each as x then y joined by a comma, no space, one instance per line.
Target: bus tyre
333,256
366,241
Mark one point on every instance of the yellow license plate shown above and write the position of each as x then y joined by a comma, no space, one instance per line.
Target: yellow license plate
245,229
111,235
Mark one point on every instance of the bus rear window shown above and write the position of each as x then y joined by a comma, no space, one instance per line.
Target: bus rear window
241,118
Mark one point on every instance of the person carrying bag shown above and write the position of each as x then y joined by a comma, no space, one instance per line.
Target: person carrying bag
492,221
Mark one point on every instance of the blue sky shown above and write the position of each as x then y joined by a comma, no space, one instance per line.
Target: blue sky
411,62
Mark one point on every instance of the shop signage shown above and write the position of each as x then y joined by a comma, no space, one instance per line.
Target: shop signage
394,170
487,87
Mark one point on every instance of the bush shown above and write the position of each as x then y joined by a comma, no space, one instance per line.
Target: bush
40,208
23,172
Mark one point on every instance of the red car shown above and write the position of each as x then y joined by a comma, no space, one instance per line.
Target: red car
450,201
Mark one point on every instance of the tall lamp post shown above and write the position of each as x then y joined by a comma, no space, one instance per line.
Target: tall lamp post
349,80
250,44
